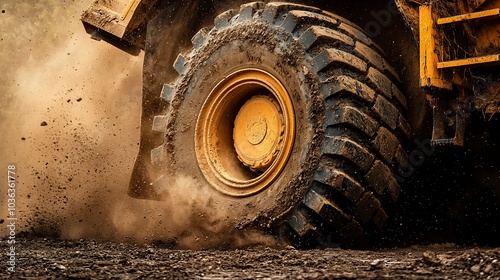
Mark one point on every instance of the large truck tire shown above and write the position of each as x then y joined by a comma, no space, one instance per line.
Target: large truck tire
288,118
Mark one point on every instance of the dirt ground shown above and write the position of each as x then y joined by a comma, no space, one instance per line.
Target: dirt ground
42,258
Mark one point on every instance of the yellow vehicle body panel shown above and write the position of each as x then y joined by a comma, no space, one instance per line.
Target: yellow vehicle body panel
430,75
483,48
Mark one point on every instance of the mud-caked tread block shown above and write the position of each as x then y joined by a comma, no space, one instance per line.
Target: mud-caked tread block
158,155
394,189
386,143
314,201
370,55
339,181
388,67
347,85
404,126
160,123
247,10
356,33
318,34
351,116
338,58
223,20
200,37
367,207
353,190
300,224
382,181
387,112
350,150
181,64
380,218
326,209
273,9
381,82
345,21
168,92
376,177
297,18
399,96
360,35
401,158
376,60
352,234
329,176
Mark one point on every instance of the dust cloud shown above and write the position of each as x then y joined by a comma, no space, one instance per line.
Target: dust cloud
70,122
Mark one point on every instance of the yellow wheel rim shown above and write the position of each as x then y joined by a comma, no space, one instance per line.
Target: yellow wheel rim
245,132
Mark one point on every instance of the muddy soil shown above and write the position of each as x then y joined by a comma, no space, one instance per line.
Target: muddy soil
42,258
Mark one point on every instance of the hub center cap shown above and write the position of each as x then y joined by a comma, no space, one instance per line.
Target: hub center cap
257,133
256,130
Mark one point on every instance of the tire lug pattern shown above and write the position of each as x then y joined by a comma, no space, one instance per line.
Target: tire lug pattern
362,106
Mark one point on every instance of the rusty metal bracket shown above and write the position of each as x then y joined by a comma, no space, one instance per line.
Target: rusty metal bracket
438,126
462,113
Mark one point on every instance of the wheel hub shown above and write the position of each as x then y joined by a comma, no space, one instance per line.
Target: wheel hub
258,132
245,132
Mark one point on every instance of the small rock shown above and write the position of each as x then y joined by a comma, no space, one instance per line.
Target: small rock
79,99
488,269
44,123
476,268
290,247
377,264
430,258
23,138
60,266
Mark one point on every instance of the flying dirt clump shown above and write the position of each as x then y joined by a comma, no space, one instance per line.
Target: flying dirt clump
70,120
